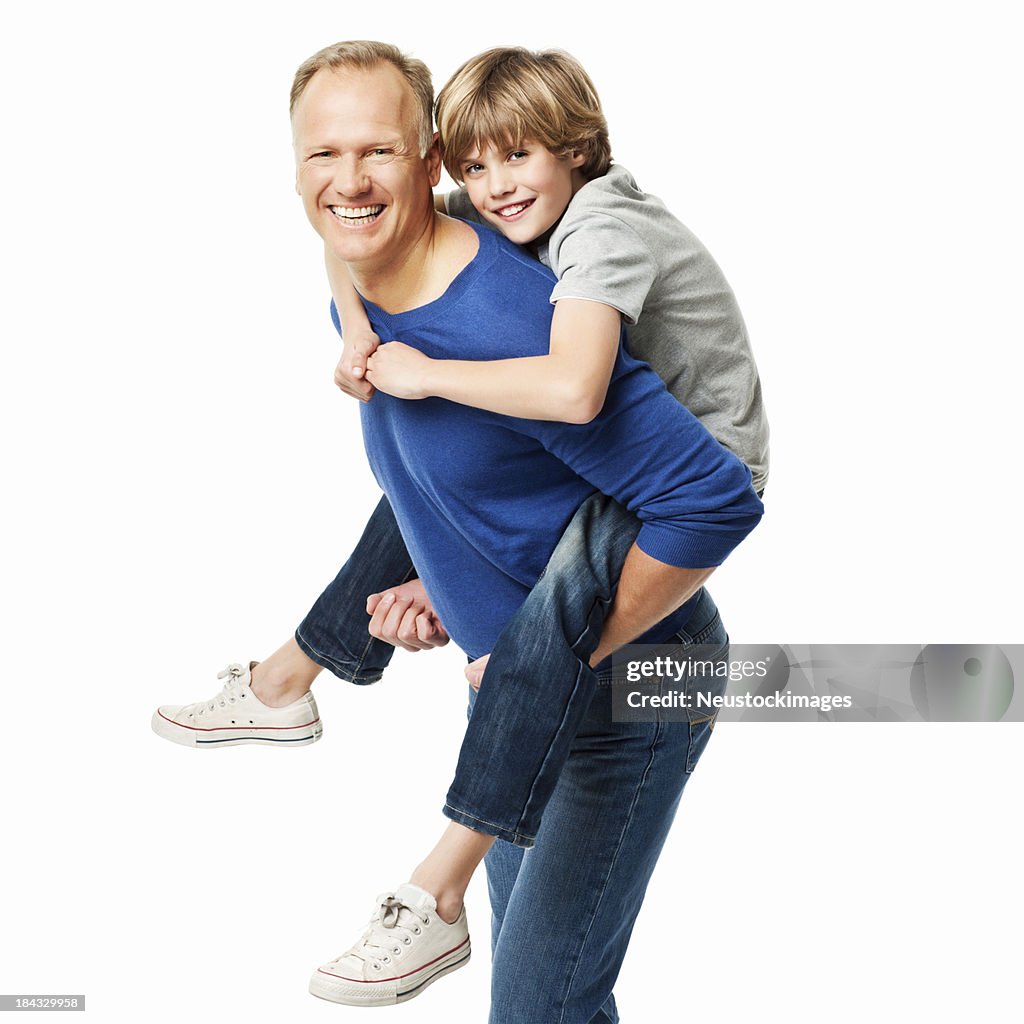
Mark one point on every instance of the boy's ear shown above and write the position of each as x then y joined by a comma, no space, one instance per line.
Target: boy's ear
578,158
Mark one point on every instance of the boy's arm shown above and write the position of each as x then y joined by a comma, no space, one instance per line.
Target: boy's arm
568,385
358,338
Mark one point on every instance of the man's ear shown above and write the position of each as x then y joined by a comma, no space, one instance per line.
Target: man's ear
433,159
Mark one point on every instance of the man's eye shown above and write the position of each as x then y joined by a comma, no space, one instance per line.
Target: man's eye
322,153
380,151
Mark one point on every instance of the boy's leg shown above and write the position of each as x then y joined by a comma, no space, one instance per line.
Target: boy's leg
274,693
334,633
538,684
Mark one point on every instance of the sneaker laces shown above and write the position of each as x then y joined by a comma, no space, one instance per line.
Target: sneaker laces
230,692
394,924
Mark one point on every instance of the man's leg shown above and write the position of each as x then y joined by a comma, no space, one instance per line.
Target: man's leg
502,864
538,685
566,922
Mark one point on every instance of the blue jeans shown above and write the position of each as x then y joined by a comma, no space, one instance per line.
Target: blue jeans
563,912
538,685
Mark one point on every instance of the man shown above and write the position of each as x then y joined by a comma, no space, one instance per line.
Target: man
482,501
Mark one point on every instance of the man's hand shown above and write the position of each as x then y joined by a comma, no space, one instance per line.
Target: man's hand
648,591
475,671
350,373
404,617
400,370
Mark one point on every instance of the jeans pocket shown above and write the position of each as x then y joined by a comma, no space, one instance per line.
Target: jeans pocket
706,682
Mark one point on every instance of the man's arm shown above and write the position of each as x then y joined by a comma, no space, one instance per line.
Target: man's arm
648,591
694,499
403,616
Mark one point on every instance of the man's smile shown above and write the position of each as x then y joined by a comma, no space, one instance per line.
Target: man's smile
357,216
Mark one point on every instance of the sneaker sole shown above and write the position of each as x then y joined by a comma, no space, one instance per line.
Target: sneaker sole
186,736
383,993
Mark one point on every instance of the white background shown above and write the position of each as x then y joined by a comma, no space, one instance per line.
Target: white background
182,478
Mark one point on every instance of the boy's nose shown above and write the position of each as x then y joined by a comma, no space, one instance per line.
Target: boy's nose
500,183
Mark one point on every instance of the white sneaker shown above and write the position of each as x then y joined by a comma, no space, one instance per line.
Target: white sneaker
405,948
236,715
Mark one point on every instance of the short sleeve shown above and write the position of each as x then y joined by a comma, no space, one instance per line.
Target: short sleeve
458,205
603,259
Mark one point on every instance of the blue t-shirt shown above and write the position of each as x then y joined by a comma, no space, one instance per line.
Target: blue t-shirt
482,499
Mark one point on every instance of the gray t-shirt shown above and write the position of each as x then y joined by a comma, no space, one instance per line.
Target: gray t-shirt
620,246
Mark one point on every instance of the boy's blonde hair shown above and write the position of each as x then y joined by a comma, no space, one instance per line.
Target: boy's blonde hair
364,55
509,94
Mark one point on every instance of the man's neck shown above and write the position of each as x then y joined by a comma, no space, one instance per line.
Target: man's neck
423,272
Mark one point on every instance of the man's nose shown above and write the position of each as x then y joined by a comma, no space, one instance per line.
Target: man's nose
350,177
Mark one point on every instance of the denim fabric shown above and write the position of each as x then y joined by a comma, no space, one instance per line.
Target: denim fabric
335,632
563,912
538,684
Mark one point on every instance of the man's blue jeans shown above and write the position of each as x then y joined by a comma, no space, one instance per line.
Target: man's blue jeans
538,686
563,912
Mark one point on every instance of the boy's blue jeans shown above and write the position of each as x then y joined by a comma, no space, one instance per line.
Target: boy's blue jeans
538,686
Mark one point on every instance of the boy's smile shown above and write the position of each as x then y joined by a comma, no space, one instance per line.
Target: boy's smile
524,190
514,210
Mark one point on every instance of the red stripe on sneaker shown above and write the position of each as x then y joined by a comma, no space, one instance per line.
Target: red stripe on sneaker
397,977
238,728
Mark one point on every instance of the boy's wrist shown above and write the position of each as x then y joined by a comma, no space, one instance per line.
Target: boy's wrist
432,380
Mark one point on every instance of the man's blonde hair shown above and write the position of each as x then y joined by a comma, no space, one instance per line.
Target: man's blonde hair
509,94
365,54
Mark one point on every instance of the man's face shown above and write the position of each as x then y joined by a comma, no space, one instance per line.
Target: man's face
364,185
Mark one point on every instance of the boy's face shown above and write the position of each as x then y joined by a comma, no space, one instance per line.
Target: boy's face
522,191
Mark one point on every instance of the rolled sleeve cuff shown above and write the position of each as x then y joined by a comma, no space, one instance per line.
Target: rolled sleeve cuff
689,548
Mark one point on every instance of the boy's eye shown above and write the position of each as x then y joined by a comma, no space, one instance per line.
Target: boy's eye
518,154
472,169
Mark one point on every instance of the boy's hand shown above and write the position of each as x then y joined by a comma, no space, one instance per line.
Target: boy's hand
404,617
399,370
350,373
475,671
